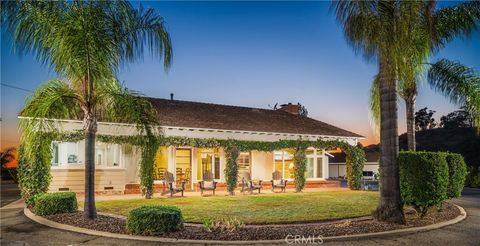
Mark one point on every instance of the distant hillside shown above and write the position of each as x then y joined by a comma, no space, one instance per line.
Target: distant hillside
457,140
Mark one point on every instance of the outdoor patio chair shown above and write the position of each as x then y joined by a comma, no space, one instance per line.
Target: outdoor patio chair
160,173
207,183
249,185
171,185
278,181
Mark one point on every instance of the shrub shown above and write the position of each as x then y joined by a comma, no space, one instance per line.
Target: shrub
31,200
423,179
226,224
55,203
154,220
473,178
457,171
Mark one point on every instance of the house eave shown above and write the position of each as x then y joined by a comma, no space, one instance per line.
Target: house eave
123,129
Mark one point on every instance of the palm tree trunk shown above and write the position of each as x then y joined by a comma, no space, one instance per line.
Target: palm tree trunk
410,110
390,207
90,211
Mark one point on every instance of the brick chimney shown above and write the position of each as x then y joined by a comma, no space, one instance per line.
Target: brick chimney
290,108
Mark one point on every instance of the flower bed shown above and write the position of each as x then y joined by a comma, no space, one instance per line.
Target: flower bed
267,232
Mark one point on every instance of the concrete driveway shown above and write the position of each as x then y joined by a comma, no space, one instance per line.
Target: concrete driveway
16,229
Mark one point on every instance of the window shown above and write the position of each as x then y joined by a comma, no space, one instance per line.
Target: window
319,167
284,163
243,162
70,154
107,155
209,161
67,153
310,169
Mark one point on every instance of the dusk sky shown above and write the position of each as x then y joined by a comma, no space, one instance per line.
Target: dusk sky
251,54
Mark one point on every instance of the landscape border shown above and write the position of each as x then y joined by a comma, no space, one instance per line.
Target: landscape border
56,225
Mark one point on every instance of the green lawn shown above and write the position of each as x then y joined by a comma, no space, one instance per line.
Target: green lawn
268,208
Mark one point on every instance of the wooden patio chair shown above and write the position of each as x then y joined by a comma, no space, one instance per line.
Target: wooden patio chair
171,185
278,181
249,185
160,173
207,183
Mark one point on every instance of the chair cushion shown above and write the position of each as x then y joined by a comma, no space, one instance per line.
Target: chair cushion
277,182
208,184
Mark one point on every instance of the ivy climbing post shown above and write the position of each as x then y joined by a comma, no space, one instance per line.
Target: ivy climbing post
231,169
300,160
148,149
355,158
34,162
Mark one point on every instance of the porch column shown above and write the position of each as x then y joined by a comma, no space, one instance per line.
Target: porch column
171,159
325,172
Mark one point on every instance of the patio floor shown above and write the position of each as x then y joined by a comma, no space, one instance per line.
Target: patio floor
197,194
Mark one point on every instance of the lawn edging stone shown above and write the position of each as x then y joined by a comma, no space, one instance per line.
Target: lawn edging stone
396,232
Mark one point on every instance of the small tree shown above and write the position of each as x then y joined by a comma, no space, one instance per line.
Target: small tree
456,119
424,119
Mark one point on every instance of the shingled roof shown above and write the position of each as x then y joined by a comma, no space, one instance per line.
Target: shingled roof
215,116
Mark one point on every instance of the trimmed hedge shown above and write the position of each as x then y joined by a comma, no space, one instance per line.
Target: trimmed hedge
423,179
55,203
473,177
457,172
154,220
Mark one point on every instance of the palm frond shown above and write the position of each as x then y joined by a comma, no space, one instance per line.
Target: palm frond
374,102
55,99
86,40
457,21
132,27
459,83
122,105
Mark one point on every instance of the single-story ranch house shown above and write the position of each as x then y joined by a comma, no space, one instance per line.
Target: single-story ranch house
117,166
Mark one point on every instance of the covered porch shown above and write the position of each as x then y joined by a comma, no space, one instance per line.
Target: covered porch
189,164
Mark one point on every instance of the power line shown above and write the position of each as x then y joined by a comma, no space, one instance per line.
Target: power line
15,87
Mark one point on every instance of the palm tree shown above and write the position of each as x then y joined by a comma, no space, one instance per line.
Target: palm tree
379,30
85,43
441,26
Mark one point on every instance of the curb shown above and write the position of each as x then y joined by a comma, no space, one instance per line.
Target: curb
56,225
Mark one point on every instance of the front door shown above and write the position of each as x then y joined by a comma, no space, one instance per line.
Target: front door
183,166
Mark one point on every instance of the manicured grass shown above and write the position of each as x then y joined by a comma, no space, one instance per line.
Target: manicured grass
259,209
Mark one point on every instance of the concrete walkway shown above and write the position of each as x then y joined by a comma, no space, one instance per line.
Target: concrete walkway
16,229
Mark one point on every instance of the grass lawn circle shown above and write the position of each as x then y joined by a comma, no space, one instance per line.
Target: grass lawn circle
280,208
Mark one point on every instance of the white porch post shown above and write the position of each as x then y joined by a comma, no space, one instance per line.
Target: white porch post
171,160
325,165
222,164
194,162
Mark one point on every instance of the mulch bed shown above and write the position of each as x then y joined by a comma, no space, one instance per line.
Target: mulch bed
117,225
